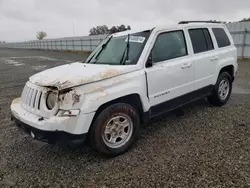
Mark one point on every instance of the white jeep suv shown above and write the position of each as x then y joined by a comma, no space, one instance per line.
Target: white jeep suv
129,78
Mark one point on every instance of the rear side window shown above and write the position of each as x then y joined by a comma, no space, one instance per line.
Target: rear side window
221,37
169,45
201,40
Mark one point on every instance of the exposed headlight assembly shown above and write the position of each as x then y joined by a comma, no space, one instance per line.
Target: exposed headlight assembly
51,100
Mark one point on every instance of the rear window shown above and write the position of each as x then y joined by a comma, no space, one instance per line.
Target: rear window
201,40
221,37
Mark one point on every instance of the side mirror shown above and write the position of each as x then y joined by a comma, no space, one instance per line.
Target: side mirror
149,62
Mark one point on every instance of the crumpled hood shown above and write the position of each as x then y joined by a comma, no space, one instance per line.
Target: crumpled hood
74,74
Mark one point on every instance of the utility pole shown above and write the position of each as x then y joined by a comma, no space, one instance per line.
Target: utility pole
73,28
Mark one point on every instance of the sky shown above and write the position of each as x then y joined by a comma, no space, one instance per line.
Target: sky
20,20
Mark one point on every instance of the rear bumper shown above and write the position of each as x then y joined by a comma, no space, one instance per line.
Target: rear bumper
59,138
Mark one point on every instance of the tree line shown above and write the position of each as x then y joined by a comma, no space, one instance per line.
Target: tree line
98,30
103,29
245,20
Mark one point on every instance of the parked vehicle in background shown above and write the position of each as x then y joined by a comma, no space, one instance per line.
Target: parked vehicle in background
129,78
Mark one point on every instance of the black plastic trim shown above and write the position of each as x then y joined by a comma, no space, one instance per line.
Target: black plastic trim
180,101
60,138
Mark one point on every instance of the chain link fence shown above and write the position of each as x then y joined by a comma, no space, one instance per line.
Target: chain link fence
240,32
87,43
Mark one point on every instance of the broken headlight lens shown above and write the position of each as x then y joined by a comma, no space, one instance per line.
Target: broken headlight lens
51,100
65,113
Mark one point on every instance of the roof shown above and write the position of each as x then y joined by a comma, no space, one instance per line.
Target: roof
173,26
182,26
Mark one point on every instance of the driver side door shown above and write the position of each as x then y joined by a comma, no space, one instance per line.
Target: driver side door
171,76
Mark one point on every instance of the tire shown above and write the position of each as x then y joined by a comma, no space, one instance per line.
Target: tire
217,98
109,134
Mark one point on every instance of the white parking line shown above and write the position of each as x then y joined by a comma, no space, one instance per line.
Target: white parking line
18,64
9,61
12,62
19,61
39,67
40,58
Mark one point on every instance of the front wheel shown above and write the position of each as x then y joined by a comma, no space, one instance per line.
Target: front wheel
115,130
222,90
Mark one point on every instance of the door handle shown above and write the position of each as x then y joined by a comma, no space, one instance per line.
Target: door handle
214,58
186,65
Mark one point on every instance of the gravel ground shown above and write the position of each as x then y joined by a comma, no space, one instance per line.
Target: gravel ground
207,147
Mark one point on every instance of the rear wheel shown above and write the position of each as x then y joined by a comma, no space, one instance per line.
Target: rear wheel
115,130
222,90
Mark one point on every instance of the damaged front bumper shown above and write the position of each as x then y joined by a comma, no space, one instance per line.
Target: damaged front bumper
59,138
55,130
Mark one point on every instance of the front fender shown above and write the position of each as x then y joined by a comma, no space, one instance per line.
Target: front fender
111,89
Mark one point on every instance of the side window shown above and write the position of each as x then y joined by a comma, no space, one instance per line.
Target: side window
168,46
221,37
201,40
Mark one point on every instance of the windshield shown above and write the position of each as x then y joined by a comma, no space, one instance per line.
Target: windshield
111,50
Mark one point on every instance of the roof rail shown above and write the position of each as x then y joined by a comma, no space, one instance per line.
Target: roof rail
187,22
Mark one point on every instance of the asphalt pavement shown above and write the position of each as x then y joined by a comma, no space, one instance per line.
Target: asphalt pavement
207,147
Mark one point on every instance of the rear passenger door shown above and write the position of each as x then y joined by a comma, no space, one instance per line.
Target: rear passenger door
204,58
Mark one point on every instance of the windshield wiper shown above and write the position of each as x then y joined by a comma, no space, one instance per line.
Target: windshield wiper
126,51
98,53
